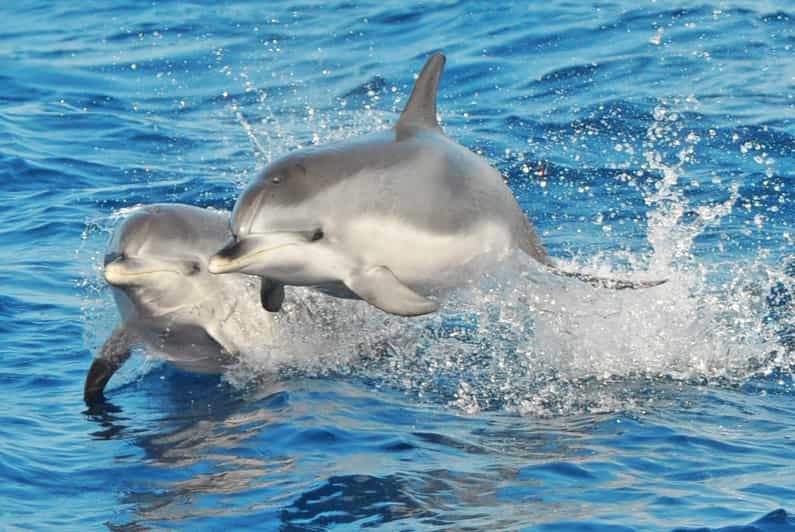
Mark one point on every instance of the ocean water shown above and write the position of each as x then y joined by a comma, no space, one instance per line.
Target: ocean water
646,140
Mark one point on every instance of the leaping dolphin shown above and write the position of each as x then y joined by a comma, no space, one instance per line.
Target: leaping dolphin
157,267
377,217
380,217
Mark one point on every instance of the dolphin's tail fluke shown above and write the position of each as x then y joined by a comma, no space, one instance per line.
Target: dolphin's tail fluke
609,283
114,353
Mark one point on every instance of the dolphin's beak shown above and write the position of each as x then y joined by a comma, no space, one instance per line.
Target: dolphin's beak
226,259
239,255
116,272
126,271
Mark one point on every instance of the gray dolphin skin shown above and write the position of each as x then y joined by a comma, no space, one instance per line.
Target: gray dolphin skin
156,265
379,217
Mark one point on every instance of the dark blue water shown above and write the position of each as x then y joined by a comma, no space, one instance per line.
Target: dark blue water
655,141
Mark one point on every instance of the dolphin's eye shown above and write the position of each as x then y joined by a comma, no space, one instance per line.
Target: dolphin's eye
317,235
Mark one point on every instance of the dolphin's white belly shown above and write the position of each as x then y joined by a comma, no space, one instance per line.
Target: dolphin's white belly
418,256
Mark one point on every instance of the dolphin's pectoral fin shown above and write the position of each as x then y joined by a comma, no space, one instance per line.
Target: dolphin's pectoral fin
271,295
97,378
611,284
215,332
379,287
114,353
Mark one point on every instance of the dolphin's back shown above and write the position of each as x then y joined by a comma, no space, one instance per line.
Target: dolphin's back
424,178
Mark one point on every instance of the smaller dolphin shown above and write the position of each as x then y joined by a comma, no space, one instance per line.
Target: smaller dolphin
157,267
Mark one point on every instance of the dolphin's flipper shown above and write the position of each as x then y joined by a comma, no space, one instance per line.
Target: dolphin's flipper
420,111
217,334
113,354
379,287
271,295
611,284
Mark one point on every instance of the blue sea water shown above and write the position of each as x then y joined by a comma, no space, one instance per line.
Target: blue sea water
644,139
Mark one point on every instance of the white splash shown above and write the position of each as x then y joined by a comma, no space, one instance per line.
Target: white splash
526,340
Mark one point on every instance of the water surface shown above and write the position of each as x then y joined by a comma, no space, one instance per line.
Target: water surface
651,140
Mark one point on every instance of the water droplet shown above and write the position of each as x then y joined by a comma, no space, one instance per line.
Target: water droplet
692,138
656,39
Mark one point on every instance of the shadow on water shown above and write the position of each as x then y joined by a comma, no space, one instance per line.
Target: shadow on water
775,521
194,435
203,442
362,499
173,393
109,417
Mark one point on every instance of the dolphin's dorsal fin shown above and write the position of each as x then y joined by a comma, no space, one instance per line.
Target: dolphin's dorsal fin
420,111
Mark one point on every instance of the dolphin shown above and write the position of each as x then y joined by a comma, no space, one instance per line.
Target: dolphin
156,264
384,217
376,217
